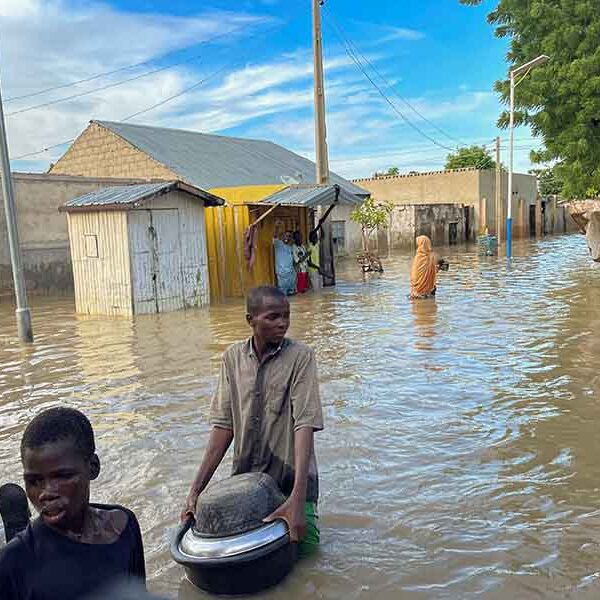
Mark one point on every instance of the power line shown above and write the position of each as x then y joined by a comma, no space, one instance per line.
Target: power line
29,154
153,106
358,63
174,96
96,90
125,68
115,84
351,44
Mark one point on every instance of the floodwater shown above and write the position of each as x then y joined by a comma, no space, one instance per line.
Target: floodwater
461,457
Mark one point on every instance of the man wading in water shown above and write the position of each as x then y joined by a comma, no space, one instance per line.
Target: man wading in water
268,383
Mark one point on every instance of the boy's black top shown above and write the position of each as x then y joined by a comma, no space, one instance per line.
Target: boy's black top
41,564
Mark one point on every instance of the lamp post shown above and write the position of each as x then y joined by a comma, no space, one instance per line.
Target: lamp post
526,68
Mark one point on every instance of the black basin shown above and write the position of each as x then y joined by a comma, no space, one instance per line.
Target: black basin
227,549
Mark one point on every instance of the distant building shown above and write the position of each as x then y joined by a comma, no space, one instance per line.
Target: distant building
139,248
457,205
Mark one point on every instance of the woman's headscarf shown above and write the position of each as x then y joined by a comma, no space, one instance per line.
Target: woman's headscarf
424,269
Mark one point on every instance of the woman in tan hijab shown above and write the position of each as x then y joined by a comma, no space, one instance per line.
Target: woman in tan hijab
423,274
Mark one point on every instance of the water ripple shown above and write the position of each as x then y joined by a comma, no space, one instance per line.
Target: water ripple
461,452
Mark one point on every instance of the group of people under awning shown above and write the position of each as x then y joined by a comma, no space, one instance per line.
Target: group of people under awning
297,266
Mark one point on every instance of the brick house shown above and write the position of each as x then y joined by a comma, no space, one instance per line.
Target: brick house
244,172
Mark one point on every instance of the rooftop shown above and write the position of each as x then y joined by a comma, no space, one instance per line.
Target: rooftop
125,197
213,161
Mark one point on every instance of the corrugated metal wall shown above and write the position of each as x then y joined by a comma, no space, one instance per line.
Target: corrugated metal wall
101,267
225,229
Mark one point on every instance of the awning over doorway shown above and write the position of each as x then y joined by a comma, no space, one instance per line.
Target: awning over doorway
312,195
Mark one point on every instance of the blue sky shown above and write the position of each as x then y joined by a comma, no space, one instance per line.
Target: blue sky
244,68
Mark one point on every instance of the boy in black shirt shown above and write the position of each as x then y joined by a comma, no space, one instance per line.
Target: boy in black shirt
74,548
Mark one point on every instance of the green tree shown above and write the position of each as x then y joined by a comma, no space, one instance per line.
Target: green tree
473,156
560,100
548,182
392,171
370,215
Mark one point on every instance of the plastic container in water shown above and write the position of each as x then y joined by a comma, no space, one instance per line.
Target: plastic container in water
488,245
228,549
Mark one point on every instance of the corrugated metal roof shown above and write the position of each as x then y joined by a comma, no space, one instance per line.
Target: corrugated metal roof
309,196
213,161
127,195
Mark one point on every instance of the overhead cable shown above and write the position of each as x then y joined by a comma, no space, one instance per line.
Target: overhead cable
125,68
407,121
352,45
153,106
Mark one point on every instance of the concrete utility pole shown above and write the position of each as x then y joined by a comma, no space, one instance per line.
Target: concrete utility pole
321,155
499,219
322,158
24,328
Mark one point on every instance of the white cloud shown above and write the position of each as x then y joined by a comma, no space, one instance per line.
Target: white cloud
18,8
468,102
376,33
59,41
48,43
259,77
358,115
400,33
268,99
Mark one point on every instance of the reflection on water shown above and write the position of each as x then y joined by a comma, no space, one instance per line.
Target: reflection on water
461,452
425,313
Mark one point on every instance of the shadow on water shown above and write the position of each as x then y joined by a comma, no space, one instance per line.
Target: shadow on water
460,454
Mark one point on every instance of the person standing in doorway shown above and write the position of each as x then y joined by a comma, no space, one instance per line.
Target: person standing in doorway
314,260
284,263
301,263
267,403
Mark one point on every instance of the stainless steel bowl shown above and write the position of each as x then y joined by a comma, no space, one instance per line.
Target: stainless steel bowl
246,563
194,546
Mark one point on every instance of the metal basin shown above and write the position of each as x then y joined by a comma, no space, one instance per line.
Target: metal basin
246,563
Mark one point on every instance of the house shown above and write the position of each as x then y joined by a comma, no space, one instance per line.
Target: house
244,172
457,205
139,248
43,233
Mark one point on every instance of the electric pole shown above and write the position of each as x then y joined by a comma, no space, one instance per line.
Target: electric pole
499,220
322,159
23,315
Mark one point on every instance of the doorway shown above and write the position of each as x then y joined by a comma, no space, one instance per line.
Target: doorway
544,225
338,234
532,220
155,260
452,233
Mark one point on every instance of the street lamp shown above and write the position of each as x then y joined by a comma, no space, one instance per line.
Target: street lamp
526,68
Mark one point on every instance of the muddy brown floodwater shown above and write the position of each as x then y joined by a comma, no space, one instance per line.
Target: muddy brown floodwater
461,457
